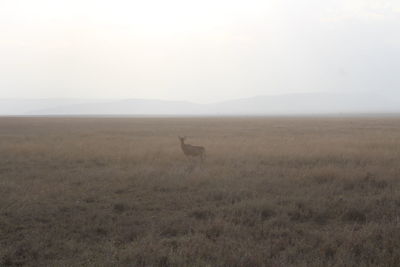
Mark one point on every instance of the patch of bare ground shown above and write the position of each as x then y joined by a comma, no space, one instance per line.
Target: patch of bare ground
271,192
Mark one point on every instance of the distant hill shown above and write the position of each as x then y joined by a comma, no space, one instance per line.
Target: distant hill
18,106
311,103
288,104
125,107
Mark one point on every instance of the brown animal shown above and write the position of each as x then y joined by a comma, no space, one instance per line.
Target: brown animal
192,151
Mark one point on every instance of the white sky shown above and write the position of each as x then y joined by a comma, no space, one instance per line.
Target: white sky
202,51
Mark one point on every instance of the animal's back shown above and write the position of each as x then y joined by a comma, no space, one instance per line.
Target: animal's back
195,150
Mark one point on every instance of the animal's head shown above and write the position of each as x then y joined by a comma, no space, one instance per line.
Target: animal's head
182,138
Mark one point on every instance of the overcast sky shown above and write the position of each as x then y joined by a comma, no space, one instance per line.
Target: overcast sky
202,51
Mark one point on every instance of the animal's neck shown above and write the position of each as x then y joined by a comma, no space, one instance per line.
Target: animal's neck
182,143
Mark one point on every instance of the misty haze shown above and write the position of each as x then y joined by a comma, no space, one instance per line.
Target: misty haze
199,133
287,104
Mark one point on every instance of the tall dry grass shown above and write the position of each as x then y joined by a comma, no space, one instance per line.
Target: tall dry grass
272,192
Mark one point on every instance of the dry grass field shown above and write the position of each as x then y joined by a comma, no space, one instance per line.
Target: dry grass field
271,192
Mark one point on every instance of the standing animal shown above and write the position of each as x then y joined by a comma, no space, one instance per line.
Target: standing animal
192,151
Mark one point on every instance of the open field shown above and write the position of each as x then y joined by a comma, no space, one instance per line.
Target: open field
272,192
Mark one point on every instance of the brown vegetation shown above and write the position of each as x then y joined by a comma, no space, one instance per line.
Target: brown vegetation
272,192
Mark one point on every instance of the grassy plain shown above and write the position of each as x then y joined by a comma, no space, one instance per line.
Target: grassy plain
272,192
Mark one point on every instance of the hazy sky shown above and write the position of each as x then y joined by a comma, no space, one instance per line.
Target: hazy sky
200,51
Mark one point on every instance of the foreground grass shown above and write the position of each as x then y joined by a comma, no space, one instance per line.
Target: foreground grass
272,192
